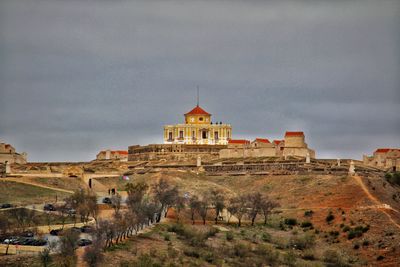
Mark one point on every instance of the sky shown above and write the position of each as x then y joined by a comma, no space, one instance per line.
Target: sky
80,76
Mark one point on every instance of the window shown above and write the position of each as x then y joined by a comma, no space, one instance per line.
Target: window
228,135
170,136
204,134
180,134
194,135
216,135
201,119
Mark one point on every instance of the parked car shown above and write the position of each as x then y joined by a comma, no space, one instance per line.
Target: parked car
5,206
84,242
107,200
27,234
49,207
71,211
56,232
87,229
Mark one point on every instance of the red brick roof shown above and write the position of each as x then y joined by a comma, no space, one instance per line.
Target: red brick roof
385,150
294,134
277,142
261,140
197,111
238,141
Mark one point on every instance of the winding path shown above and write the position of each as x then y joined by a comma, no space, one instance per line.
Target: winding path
378,205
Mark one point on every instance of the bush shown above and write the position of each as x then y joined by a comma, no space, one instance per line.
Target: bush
335,258
308,255
346,228
330,217
209,257
365,243
229,236
191,253
308,213
266,237
290,221
240,250
302,242
357,231
379,258
393,178
306,224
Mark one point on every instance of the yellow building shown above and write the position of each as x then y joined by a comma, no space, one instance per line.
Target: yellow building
198,129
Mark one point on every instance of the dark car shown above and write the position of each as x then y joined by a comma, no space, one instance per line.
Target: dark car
27,234
5,206
84,242
49,207
56,232
87,229
107,200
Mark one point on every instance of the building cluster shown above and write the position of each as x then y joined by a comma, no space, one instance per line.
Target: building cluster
199,136
8,154
293,145
121,155
384,158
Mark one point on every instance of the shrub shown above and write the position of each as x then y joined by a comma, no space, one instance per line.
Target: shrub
308,255
335,258
289,258
266,237
357,231
302,242
379,258
212,232
271,255
346,228
365,243
334,233
330,217
229,236
308,213
240,250
356,246
167,237
191,253
290,221
209,257
306,224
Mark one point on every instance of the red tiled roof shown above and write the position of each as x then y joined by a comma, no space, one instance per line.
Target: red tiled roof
197,111
261,140
238,141
277,142
294,134
385,150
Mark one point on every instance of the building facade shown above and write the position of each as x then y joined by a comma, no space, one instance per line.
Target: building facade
198,129
121,155
8,154
384,158
293,145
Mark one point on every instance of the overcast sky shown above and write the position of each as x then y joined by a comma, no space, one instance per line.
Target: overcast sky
77,77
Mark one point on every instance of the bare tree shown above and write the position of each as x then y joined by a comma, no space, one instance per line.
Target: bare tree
180,203
194,204
93,255
254,205
165,194
238,207
68,245
217,199
202,209
116,202
267,206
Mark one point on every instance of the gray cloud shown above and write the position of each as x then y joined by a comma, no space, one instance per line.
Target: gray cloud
80,76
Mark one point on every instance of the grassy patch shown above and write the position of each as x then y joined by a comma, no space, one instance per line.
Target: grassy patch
18,193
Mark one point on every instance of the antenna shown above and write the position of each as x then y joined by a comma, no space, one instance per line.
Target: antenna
198,96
